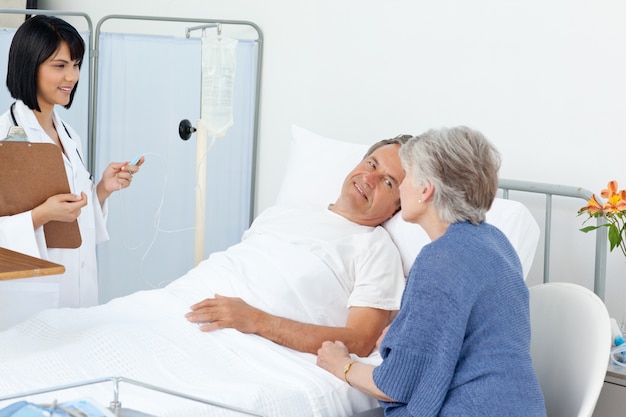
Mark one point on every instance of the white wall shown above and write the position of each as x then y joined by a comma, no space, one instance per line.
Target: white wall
545,80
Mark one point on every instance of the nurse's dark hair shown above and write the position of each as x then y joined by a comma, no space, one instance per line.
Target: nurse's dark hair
33,43
398,140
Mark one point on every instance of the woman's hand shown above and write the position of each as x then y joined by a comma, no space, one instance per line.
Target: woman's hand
116,176
60,207
333,356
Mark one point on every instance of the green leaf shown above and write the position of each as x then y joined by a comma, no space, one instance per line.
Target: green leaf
615,237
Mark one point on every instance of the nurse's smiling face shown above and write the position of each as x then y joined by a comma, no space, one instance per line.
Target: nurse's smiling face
56,78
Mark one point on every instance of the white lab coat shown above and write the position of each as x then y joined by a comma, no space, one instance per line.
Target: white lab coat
78,286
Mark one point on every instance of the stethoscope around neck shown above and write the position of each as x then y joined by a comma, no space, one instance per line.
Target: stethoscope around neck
12,109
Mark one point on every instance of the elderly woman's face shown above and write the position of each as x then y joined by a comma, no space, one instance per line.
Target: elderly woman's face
411,199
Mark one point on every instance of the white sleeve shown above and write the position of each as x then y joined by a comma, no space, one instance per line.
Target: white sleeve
100,217
379,280
17,234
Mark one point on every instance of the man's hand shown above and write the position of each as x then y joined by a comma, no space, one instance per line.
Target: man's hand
359,334
221,312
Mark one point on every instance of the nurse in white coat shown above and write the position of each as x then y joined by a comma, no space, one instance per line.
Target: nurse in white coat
43,71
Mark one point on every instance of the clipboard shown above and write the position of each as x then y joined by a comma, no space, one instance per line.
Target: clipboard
29,174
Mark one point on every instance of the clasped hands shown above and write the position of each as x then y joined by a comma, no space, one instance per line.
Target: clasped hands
225,312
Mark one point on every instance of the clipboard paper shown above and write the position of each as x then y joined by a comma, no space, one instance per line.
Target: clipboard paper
29,174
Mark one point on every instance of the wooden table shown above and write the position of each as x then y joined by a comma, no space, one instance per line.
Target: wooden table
18,265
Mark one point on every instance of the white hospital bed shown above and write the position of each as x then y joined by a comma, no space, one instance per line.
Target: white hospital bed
140,339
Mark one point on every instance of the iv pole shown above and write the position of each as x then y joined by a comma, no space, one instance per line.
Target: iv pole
184,130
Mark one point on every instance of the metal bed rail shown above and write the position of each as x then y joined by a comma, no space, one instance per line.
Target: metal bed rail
116,405
550,190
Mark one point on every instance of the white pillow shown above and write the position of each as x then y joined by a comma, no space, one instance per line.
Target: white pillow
511,217
318,165
316,168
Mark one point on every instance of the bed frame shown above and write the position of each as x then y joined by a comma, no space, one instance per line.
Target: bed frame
118,406
508,187
550,191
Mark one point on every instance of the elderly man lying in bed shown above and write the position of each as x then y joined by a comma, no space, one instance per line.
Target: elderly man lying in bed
297,278
299,269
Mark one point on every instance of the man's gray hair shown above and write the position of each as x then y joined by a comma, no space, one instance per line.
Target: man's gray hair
398,140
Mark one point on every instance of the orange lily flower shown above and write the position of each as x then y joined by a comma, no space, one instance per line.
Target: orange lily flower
610,191
615,204
593,207
613,211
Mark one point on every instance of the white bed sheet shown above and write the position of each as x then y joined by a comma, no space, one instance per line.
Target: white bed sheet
145,337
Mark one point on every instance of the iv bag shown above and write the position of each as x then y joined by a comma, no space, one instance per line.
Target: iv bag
218,81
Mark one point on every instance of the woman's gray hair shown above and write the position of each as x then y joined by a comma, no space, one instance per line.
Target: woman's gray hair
463,167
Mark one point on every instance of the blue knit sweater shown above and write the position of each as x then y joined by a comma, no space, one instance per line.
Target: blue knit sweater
460,343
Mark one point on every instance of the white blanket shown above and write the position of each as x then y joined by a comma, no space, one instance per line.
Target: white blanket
145,337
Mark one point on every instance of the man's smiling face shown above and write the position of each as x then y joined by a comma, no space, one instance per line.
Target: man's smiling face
371,192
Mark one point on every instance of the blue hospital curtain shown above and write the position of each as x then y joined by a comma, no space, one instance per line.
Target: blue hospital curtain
146,86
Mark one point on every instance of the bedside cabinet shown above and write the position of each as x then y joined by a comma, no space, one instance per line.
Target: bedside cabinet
612,400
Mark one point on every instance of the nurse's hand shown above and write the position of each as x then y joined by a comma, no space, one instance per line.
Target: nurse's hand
116,176
60,207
